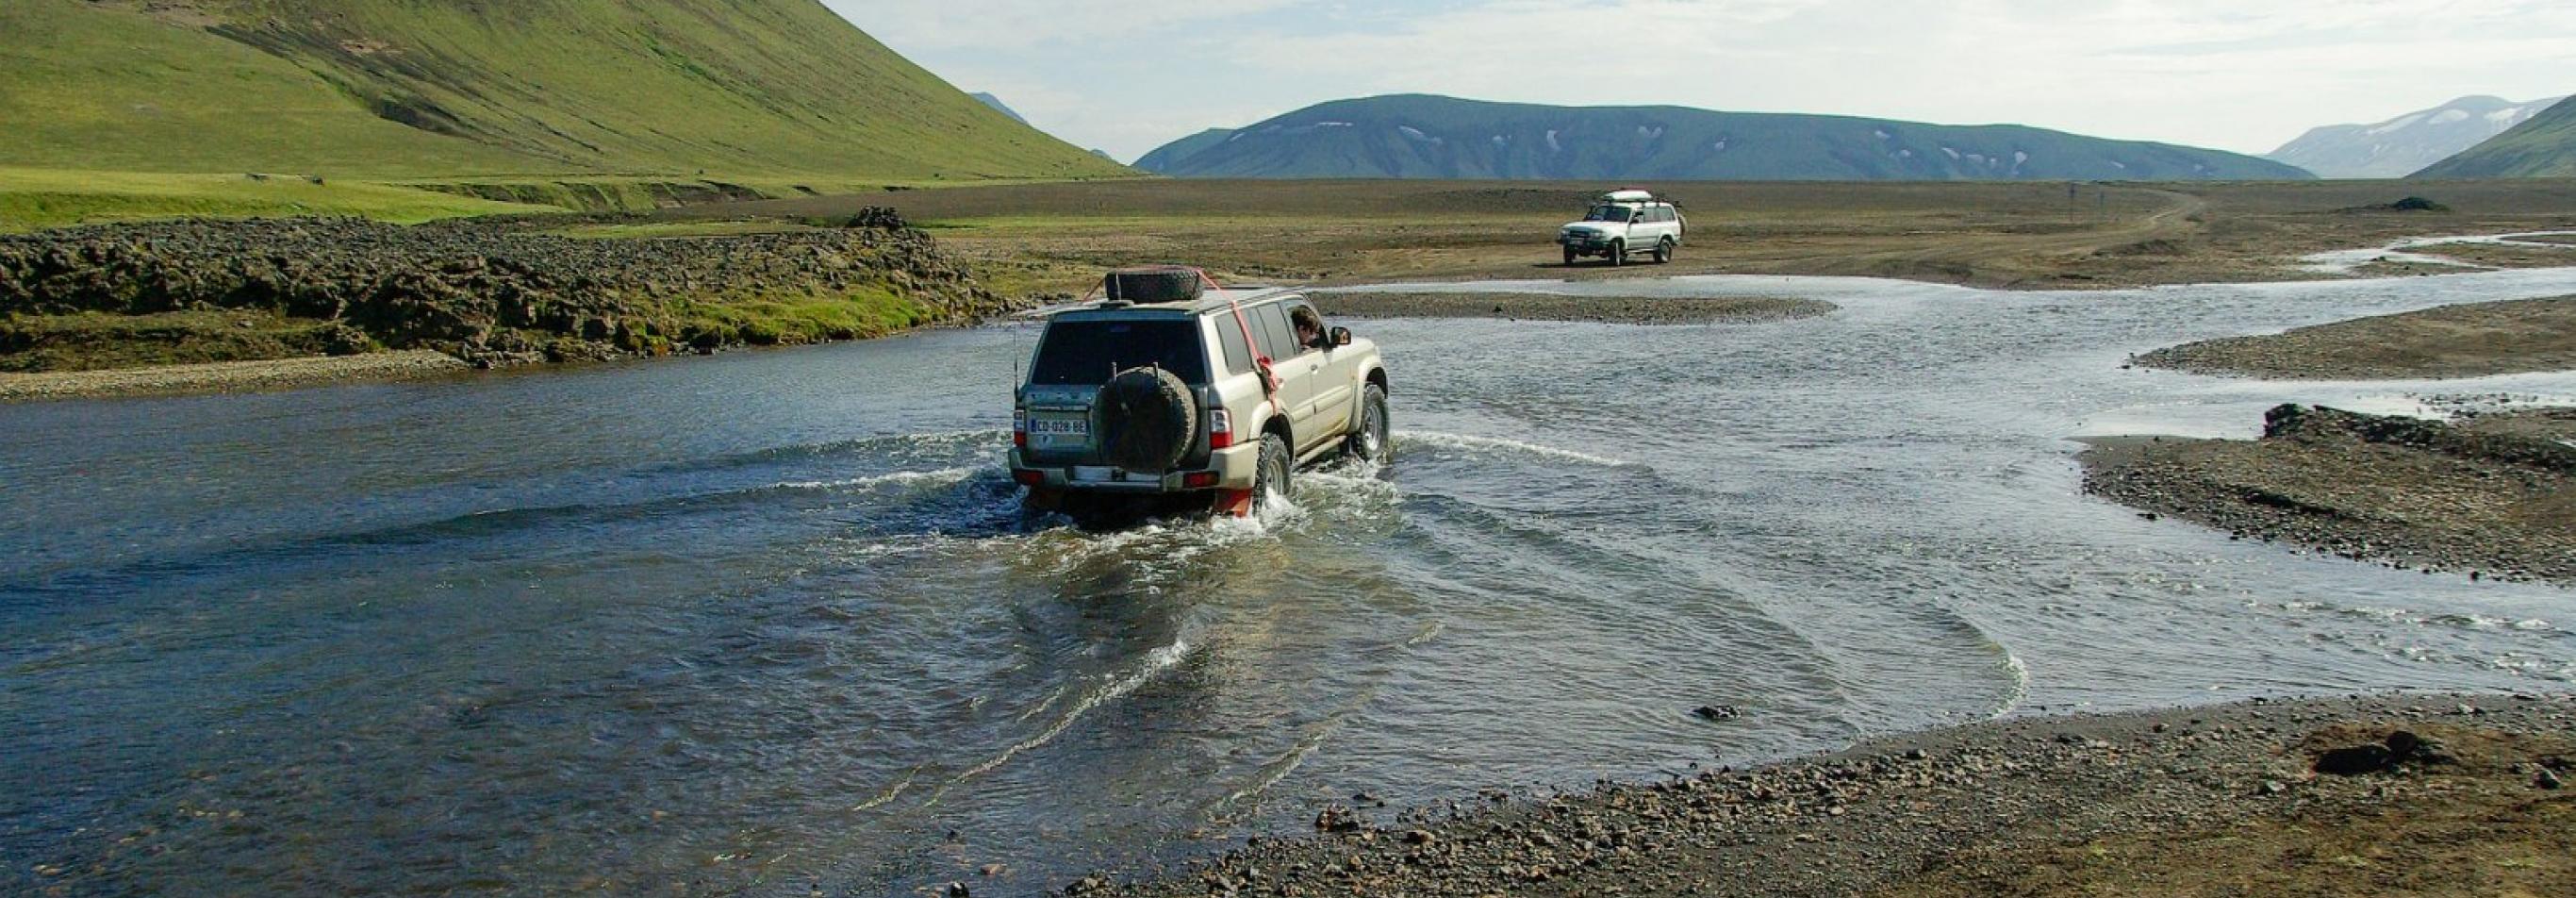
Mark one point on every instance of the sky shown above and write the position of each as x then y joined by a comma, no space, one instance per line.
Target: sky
1127,76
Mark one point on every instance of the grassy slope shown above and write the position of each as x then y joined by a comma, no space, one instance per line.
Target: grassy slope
1453,138
2544,147
91,88
641,87
43,198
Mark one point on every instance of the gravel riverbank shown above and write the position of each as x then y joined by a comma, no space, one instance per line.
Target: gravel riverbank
2405,795
228,377
2492,496
2472,340
1545,307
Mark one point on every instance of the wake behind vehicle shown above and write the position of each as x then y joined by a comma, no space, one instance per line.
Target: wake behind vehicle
1622,224
1175,394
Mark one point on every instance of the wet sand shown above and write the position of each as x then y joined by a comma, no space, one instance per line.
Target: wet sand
2420,795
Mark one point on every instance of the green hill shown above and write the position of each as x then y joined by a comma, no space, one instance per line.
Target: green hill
1415,136
446,88
2544,147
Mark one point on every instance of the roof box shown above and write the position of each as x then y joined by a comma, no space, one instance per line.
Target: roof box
1628,196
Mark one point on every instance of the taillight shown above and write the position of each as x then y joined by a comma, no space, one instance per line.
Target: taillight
1020,428
1198,480
1220,429
1029,477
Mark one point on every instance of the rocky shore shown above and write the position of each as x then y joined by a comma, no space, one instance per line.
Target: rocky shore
2490,496
2419,795
489,293
1546,307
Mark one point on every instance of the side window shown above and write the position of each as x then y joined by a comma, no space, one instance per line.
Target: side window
1271,326
1229,334
1301,312
1663,213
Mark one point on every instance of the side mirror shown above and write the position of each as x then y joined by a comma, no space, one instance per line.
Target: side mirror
1341,336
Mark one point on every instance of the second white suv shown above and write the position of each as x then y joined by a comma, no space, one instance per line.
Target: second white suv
1622,224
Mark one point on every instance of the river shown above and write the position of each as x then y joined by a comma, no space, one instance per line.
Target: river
772,622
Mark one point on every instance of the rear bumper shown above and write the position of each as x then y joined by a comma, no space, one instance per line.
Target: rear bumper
1235,468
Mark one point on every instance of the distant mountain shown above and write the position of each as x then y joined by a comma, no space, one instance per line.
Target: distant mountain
2406,144
2544,147
999,106
1167,158
459,87
1416,136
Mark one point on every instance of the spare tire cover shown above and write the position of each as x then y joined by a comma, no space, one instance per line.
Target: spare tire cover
1147,419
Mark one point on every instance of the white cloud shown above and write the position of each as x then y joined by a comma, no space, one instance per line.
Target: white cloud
2237,74
1004,24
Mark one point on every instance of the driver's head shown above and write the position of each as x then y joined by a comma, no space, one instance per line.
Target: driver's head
1307,327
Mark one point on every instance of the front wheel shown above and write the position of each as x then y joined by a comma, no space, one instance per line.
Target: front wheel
1618,254
1270,480
1373,442
1570,256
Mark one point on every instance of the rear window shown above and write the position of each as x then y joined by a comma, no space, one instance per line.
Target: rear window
1089,352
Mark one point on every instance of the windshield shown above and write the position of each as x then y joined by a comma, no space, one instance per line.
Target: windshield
1608,213
1089,352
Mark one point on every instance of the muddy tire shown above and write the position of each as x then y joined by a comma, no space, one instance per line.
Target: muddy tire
1663,251
1570,256
1618,254
1373,441
1146,418
1270,480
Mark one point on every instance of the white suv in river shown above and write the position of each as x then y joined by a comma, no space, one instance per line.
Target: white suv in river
1624,223
1174,394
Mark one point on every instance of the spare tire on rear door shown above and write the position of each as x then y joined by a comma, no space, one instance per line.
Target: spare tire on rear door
1147,420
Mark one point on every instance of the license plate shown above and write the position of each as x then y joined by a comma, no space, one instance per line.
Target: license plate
1059,433
1090,474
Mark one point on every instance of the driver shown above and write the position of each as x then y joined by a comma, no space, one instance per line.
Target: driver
1310,329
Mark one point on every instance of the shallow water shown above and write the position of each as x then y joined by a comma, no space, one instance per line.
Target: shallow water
772,621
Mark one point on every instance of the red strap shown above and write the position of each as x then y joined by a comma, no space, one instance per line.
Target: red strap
1269,381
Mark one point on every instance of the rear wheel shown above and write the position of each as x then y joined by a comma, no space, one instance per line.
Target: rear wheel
1270,480
1664,251
1373,442
1618,254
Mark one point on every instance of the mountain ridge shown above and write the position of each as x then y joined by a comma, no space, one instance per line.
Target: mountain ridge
2542,147
1429,136
2405,144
